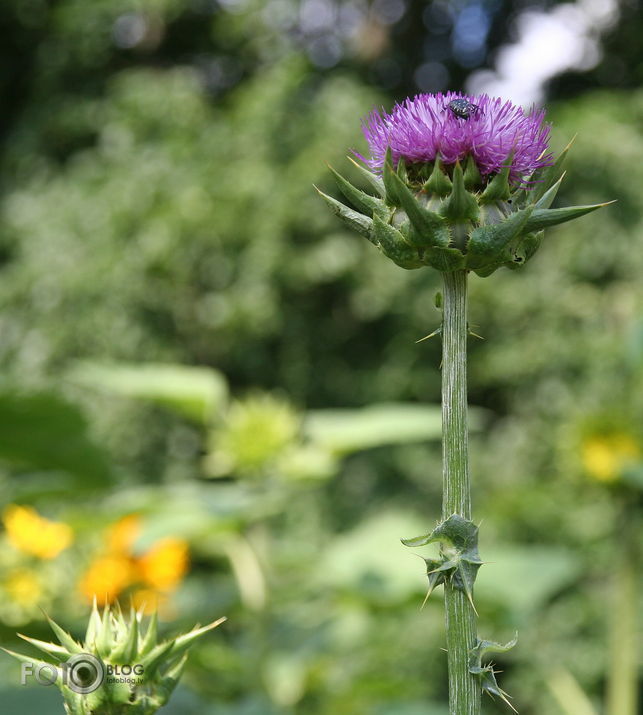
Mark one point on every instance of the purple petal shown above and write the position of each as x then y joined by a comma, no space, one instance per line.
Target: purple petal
419,129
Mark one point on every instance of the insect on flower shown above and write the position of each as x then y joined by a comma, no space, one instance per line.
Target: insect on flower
463,108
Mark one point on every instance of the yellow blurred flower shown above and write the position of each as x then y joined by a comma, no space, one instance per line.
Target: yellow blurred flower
151,576
605,456
106,577
165,564
23,586
148,601
31,533
122,535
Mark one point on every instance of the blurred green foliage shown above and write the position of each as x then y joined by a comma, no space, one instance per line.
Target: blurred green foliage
186,334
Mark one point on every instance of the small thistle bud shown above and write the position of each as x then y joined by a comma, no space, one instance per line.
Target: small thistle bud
120,668
462,183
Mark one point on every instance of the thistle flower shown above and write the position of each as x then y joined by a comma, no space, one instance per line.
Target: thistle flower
454,127
462,183
119,669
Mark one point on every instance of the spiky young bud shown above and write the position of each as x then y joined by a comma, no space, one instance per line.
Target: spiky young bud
120,668
462,183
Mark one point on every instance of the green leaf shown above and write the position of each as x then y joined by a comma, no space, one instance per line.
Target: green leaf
486,673
171,679
152,660
528,245
51,648
125,651
546,177
490,244
42,431
542,218
196,392
485,647
498,188
472,177
430,229
183,642
460,205
362,201
456,531
445,259
393,245
459,557
354,220
64,638
150,639
372,178
94,625
389,176
438,183
547,199
490,685
490,268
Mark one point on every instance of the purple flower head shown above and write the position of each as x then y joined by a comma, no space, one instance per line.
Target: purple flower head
488,129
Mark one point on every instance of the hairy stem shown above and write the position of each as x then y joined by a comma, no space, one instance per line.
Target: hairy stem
464,690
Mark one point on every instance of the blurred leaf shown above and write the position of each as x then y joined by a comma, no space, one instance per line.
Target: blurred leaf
524,578
349,430
193,508
345,430
196,392
42,431
371,561
568,693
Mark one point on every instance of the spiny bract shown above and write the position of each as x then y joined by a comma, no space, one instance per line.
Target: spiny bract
453,193
123,671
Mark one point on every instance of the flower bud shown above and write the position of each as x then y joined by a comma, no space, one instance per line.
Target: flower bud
119,669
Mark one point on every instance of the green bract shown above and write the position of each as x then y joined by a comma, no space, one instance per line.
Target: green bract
119,669
453,219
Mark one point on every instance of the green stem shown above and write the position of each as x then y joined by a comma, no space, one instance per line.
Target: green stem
622,681
464,690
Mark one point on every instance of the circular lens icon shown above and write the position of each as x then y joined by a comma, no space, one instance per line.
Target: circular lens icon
85,673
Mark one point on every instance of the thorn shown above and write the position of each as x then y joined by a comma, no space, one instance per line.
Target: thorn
437,331
571,141
472,603
426,598
475,335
